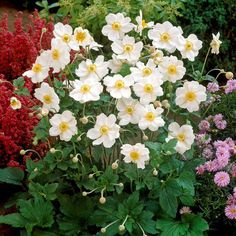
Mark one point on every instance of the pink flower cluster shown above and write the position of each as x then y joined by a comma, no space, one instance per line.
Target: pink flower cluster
230,209
230,86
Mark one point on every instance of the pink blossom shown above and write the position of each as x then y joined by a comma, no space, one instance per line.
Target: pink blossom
230,211
204,125
230,86
221,179
200,169
207,153
213,87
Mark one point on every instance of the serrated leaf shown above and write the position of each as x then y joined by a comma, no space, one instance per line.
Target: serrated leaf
19,82
11,175
14,219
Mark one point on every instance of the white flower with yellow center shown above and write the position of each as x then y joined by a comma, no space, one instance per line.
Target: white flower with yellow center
148,90
92,70
117,26
127,49
183,134
81,38
48,97
215,43
39,70
151,118
87,90
142,24
115,64
15,103
189,47
137,154
165,36
63,32
129,111
58,56
105,131
63,125
172,69
118,86
142,71
190,96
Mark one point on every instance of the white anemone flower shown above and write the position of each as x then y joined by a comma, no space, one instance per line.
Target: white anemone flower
151,118
115,64
118,86
215,43
190,96
189,47
117,26
137,154
105,131
164,36
142,24
127,49
183,134
172,69
87,90
15,103
129,111
63,125
92,70
40,68
48,97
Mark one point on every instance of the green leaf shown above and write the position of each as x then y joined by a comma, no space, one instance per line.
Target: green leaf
41,130
169,147
186,180
14,219
12,175
147,223
22,92
19,82
125,69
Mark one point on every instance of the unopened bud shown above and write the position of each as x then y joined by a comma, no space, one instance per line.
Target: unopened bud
145,137
84,194
44,30
36,169
71,155
121,227
84,120
90,176
168,95
166,104
229,75
114,165
35,142
44,111
39,116
157,104
79,139
155,172
22,152
31,114
52,150
103,230
102,200
121,185
75,159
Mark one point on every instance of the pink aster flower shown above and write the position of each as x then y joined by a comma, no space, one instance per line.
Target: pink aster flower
200,169
207,153
221,179
230,86
185,210
204,125
222,152
233,171
230,211
212,87
221,124
211,166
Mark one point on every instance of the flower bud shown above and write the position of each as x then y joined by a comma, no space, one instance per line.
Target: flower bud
121,227
114,165
157,104
71,155
84,120
103,230
155,172
44,30
52,150
166,104
39,116
22,152
90,176
75,159
229,75
44,111
79,139
145,137
84,194
102,200
35,169
35,142
121,185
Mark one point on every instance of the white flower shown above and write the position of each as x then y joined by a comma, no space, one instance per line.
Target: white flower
190,96
127,49
148,90
92,70
142,24
149,70
63,125
87,90
172,69
48,97
105,131
157,56
183,134
129,111
59,55
94,45
115,64
39,69
151,118
118,86
15,103
215,43
165,36
189,47
137,154
63,32
117,26
81,38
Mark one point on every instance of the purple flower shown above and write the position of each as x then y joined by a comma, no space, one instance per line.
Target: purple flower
211,166
213,87
217,118
207,153
221,124
222,179
200,169
230,86
222,152
230,212
204,125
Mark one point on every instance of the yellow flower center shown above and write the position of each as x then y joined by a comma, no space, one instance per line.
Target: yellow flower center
119,84
55,54
128,48
85,88
188,46
181,137
92,68
150,116
64,126
116,26
80,36
104,130
134,155
144,24
148,88
190,96
130,110
147,71
37,68
232,210
66,38
172,69
165,37
14,102
47,99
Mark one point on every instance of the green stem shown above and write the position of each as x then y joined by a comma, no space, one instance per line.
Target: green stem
204,64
